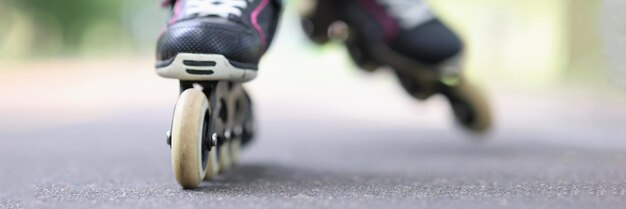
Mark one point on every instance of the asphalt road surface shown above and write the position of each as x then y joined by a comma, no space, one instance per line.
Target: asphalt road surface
98,145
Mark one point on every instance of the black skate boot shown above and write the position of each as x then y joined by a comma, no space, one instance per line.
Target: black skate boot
212,47
405,36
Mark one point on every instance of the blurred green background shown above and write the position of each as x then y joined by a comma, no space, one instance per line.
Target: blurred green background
535,42
78,27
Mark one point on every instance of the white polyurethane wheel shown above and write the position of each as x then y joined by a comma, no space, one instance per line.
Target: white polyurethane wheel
225,158
212,167
187,130
235,147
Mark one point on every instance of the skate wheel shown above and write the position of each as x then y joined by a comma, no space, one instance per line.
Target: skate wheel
470,107
361,58
416,86
242,114
189,155
212,165
225,160
235,147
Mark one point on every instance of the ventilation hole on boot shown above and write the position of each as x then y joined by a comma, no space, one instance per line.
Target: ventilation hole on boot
199,63
199,72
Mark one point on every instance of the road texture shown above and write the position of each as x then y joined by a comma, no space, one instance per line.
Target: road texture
94,140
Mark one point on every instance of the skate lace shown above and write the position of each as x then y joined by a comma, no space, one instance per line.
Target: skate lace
409,13
219,8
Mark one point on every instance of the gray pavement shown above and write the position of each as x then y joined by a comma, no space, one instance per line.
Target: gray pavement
121,161
94,140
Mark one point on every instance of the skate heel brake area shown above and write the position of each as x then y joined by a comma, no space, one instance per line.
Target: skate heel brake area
205,67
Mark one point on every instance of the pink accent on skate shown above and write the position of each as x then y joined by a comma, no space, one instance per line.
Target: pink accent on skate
177,7
390,27
255,22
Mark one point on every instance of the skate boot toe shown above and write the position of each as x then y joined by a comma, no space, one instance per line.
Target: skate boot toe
240,46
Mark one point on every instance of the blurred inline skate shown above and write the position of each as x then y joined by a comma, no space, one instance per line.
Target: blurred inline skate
405,36
212,47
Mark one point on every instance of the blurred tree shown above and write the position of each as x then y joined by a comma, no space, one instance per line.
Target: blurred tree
585,53
4,23
68,19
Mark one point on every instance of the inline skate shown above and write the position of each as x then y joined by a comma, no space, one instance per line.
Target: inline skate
405,36
212,47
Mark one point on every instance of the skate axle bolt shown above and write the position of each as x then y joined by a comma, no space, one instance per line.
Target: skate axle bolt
228,134
339,30
238,131
168,137
214,139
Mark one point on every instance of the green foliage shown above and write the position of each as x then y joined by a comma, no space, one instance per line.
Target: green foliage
70,17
